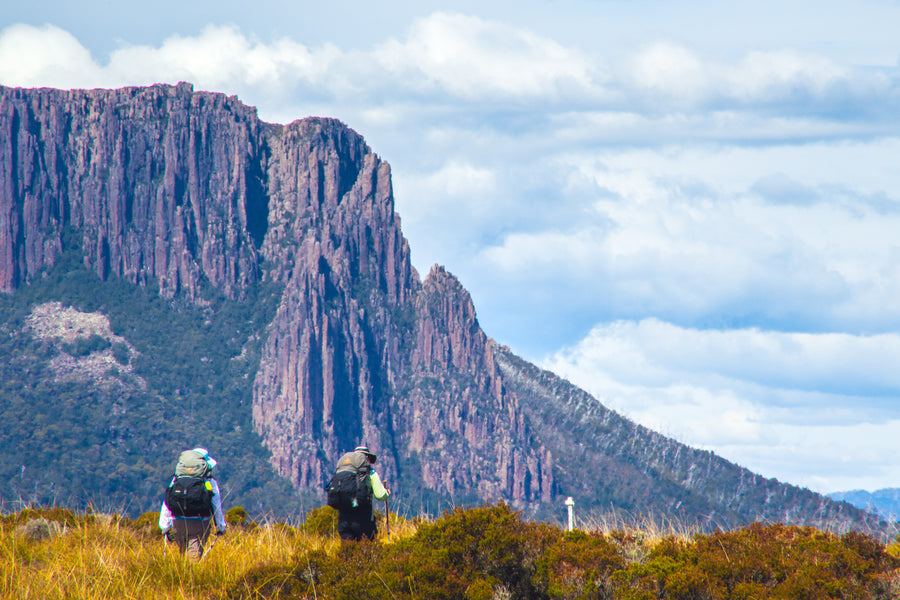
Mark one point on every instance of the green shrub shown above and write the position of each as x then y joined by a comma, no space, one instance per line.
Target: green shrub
475,553
236,516
147,518
456,555
84,346
37,530
146,526
121,354
321,521
480,589
483,553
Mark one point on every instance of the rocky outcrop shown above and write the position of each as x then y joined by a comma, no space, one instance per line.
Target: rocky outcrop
191,192
459,409
87,349
356,325
187,189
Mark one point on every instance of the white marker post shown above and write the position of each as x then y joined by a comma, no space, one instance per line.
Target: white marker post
570,504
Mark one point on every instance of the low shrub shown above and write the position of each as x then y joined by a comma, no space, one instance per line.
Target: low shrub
321,521
579,565
236,516
491,543
472,553
148,520
37,530
763,561
62,516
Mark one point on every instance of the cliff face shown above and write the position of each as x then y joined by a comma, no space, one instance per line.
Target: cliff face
161,183
192,191
356,324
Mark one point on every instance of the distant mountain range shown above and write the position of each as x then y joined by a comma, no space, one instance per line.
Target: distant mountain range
882,502
177,272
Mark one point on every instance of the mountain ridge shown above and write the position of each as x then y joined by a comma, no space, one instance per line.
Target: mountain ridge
190,194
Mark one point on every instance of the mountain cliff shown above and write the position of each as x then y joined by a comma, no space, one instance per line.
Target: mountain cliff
190,197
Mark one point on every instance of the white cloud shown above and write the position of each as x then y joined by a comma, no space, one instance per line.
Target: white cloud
222,57
472,58
672,78
762,75
796,361
687,233
461,180
825,458
490,65
439,208
45,57
672,70
219,59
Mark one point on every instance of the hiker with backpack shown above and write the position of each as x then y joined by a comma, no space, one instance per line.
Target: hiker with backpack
351,490
191,501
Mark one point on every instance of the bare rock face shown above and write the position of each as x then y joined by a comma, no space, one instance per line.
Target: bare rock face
356,325
482,442
159,182
188,189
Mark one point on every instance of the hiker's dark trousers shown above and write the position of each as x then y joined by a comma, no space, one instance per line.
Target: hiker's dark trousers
191,536
356,524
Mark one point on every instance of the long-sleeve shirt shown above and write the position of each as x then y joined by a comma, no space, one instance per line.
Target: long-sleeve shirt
379,492
378,489
166,517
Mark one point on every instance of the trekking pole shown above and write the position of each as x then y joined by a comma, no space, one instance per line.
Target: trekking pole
208,550
387,518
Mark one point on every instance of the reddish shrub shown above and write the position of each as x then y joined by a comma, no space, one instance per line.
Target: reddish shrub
763,561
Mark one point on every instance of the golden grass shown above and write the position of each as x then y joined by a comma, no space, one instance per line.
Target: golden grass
95,560
651,528
104,558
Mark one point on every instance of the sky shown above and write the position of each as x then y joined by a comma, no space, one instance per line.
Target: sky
690,209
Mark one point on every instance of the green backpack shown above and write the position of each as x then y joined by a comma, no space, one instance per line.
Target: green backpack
193,464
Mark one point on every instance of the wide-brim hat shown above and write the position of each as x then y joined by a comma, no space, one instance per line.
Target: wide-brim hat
365,450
